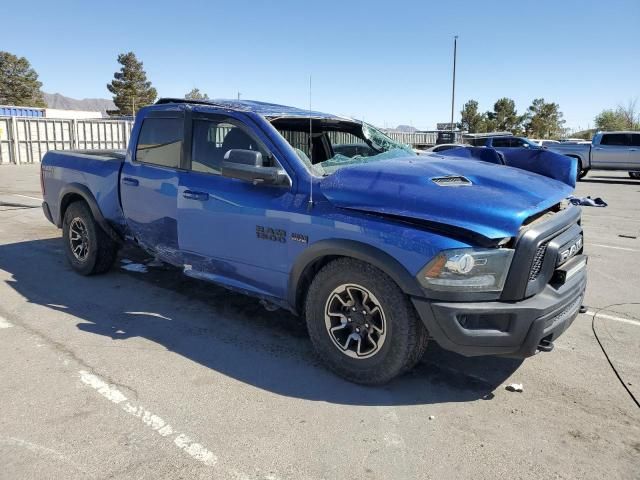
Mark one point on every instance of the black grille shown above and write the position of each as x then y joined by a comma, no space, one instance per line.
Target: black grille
538,258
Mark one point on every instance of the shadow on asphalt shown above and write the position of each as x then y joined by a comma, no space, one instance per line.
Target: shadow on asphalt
232,334
611,180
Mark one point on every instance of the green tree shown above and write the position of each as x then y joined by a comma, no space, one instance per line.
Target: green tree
584,134
490,124
195,94
19,83
130,87
610,120
622,118
470,119
505,116
544,120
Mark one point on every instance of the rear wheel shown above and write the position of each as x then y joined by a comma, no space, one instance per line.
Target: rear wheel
88,248
634,175
361,324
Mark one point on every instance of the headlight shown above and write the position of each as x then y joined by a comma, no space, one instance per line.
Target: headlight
480,270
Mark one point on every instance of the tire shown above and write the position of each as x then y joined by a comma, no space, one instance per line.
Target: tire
582,172
404,337
95,251
634,175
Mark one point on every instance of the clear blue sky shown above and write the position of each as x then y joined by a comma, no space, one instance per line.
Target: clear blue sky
387,62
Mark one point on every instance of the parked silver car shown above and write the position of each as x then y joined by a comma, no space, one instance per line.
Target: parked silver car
607,151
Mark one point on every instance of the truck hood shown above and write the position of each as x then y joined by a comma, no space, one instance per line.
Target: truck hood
493,203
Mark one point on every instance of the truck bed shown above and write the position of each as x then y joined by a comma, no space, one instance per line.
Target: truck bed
97,171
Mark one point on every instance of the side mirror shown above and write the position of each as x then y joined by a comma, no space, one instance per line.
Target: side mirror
247,165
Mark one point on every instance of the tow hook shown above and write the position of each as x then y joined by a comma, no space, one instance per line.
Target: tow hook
545,345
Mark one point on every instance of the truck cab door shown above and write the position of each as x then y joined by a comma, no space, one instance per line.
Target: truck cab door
231,231
613,151
149,184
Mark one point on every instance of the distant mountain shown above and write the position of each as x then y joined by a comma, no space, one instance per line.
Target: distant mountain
55,100
405,128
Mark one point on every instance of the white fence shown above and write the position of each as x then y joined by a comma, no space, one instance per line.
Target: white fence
26,139
414,138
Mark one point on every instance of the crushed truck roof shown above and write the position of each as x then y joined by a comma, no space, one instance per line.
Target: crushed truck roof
269,110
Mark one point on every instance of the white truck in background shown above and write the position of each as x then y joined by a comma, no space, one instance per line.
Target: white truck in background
607,151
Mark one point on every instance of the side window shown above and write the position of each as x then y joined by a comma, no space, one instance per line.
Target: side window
160,142
635,139
297,139
501,143
212,139
444,147
615,139
349,145
518,142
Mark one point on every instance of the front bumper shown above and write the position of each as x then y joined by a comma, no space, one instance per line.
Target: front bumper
515,329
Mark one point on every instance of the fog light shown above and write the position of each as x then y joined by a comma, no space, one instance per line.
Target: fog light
476,321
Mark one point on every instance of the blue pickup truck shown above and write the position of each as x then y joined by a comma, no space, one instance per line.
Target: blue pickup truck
522,153
379,252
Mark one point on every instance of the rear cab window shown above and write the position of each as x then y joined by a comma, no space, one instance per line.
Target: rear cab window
160,142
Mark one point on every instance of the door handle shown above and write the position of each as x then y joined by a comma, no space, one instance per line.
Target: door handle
130,181
191,195
633,149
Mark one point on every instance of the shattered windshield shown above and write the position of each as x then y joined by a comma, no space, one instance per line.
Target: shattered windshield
338,161
333,145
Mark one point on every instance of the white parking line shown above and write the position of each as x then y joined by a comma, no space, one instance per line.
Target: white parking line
611,317
40,451
180,440
613,247
26,196
4,323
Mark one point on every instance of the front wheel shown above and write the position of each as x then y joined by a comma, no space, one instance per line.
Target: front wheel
582,172
361,324
634,175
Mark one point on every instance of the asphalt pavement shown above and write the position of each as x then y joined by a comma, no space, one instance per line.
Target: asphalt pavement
143,373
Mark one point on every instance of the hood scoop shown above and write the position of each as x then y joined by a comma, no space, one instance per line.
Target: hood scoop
451,181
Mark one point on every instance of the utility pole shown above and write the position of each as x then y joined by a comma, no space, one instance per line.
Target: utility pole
453,89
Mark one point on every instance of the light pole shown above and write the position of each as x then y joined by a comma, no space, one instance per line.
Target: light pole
453,89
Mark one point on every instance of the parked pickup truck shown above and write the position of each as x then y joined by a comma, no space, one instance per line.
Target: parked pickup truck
378,253
607,151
